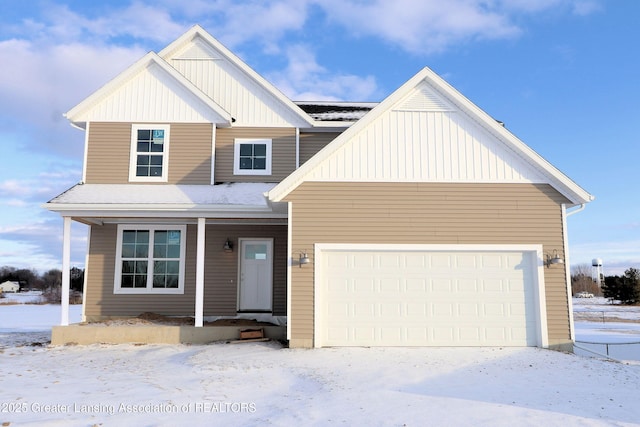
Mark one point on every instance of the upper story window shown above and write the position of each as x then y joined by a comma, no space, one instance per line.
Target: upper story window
252,157
149,153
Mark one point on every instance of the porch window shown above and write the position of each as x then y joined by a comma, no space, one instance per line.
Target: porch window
149,153
150,259
252,157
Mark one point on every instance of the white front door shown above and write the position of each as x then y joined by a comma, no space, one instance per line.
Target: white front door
256,278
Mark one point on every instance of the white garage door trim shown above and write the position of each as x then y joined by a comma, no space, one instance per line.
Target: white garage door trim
534,252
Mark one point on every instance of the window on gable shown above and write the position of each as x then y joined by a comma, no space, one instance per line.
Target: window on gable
252,157
149,153
150,259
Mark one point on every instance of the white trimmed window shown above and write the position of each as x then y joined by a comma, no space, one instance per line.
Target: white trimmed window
252,157
150,259
149,153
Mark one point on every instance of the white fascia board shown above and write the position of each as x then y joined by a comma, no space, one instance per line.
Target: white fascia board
197,30
160,207
75,115
83,212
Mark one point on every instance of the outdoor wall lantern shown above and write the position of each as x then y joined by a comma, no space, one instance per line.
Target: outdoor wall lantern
228,246
555,259
304,259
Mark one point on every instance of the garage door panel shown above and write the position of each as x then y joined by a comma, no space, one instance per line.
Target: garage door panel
390,285
426,298
418,285
417,310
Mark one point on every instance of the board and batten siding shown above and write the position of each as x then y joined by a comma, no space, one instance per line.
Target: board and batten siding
283,153
425,146
246,100
311,143
221,275
425,213
109,147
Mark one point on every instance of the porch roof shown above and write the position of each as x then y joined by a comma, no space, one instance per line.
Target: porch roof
145,199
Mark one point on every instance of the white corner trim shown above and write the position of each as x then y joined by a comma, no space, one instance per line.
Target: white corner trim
567,272
86,153
213,154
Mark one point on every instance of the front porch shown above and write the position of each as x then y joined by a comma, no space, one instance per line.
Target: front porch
83,334
187,250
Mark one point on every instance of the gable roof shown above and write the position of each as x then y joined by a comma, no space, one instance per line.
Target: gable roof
198,45
423,93
119,100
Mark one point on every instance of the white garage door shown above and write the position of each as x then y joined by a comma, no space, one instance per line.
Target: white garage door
406,297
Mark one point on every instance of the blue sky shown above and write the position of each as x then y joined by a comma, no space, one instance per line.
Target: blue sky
561,74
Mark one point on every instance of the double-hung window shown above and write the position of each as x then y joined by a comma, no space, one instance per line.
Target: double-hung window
150,259
149,153
252,157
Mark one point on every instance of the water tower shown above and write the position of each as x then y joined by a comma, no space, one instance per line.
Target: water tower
598,276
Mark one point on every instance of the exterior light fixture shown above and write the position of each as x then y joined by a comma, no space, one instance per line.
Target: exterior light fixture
555,259
228,246
304,259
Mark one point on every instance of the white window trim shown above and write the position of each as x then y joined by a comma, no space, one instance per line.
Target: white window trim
236,156
133,156
149,289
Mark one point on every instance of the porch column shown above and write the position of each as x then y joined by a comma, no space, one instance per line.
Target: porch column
66,279
200,273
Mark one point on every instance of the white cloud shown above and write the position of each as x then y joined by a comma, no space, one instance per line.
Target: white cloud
39,244
40,188
586,7
617,256
305,80
432,26
423,27
16,203
236,22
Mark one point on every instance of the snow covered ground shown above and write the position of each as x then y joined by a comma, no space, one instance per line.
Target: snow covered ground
603,328
256,384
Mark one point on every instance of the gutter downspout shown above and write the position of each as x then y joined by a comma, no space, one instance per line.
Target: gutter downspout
575,211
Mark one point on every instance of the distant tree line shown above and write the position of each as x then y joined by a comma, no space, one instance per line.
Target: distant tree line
624,288
30,279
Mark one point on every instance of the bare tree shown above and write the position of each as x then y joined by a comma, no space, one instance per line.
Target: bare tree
582,280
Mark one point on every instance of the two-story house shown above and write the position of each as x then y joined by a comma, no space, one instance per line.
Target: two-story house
416,221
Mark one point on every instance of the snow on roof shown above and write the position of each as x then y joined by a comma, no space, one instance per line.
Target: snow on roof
336,111
246,194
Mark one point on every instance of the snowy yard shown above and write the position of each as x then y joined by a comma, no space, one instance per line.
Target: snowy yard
265,384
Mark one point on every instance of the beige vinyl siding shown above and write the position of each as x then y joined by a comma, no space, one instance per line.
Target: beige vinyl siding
283,154
428,213
190,153
221,274
102,302
109,148
311,143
